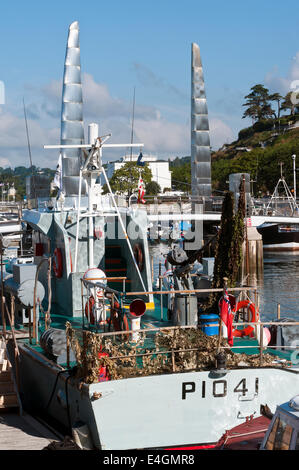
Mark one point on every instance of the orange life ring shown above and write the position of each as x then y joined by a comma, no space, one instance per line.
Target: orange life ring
57,262
138,255
254,317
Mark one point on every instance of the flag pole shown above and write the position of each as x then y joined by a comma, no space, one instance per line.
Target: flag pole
225,279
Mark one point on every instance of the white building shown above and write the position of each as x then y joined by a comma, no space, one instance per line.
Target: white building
159,168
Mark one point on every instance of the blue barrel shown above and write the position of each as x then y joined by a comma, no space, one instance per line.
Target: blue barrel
209,324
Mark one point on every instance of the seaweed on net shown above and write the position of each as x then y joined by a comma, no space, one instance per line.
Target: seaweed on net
173,351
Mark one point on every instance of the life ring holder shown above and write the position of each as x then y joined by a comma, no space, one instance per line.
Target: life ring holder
138,255
254,317
57,262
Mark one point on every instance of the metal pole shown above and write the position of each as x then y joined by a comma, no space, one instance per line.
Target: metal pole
78,220
294,175
2,293
225,279
123,229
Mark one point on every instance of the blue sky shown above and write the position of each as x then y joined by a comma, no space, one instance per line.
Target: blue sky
146,45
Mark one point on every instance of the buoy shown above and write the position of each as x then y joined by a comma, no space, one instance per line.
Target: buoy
57,262
94,275
138,255
266,335
253,317
95,308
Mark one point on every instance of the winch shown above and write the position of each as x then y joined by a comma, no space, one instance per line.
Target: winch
22,285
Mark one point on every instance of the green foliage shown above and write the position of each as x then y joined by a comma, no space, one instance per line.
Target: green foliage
125,179
181,174
152,188
17,176
258,103
261,163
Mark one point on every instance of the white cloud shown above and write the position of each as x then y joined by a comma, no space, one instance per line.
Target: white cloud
164,136
13,141
281,84
4,162
220,133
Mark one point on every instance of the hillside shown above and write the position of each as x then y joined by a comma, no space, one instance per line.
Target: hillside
258,151
17,176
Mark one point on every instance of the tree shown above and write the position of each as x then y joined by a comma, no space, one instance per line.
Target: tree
288,103
181,177
258,103
125,179
152,188
277,97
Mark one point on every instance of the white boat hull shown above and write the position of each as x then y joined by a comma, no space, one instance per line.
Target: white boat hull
155,411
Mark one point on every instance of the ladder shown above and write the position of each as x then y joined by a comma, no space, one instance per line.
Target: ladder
9,397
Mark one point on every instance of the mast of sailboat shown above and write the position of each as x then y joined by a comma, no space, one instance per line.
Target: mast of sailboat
132,131
275,196
29,148
294,175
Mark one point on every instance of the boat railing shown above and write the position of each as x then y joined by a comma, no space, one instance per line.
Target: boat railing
259,329
147,330
134,347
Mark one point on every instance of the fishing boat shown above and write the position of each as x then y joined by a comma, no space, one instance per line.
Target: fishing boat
96,350
283,430
281,236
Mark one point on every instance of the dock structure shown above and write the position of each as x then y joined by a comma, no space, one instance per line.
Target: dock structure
23,432
18,430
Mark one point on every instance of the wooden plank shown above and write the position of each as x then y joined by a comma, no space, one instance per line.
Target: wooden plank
20,433
3,366
6,387
9,399
5,376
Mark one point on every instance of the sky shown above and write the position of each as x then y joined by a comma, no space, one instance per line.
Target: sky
146,46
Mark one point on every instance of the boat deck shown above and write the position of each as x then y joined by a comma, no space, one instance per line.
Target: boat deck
22,432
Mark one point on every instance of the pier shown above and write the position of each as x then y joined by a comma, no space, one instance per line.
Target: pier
23,432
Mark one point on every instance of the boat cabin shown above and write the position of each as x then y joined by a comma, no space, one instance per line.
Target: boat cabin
283,431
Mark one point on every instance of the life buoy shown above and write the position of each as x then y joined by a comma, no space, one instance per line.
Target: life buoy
89,309
254,317
57,262
138,255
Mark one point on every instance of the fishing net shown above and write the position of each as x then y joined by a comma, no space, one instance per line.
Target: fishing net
172,351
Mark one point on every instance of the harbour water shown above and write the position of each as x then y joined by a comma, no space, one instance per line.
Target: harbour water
277,284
